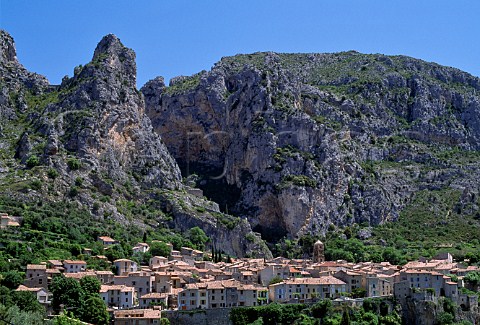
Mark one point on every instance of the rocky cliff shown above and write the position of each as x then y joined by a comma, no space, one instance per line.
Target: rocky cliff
89,141
301,143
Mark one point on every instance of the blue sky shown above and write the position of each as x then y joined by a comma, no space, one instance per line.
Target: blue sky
180,37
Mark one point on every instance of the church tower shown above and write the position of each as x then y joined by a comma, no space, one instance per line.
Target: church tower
318,252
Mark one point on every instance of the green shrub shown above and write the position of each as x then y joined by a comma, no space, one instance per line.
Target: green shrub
32,161
36,184
73,191
78,181
52,173
74,164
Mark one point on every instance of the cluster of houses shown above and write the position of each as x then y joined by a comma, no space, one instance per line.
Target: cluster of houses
185,281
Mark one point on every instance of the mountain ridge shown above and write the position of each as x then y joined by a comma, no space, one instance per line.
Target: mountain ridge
291,145
348,114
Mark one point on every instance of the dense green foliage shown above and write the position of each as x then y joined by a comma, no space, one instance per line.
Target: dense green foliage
373,311
81,298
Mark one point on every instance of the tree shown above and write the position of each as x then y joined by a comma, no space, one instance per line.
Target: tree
445,318
275,279
197,237
90,285
66,319
473,278
370,318
66,292
12,279
345,318
321,308
160,249
93,310
5,297
164,321
14,315
359,293
115,252
27,301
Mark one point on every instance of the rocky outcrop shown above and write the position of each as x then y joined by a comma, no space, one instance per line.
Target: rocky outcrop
303,142
91,141
15,80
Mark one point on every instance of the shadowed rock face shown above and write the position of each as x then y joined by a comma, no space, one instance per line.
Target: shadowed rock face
93,127
304,141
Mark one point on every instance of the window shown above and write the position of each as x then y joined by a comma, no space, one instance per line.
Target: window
40,281
126,299
133,283
192,302
192,294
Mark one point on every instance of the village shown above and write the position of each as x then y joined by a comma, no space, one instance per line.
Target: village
185,281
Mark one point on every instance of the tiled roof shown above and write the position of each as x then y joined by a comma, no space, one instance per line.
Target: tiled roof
321,280
74,262
137,313
36,267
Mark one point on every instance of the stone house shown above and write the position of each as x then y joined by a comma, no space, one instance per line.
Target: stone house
302,289
42,295
157,261
107,241
153,299
354,280
220,294
142,281
119,296
125,266
74,266
36,276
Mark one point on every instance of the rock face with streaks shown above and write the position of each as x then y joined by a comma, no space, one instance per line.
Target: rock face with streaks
300,143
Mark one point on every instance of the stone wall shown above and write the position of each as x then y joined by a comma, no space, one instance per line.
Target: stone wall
217,316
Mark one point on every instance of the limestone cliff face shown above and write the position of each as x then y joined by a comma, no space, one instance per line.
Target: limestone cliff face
90,140
100,116
301,142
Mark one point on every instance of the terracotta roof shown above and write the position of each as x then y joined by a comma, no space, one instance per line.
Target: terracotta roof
106,238
104,272
321,280
51,271
36,267
120,287
79,275
24,288
137,313
123,260
154,295
74,262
